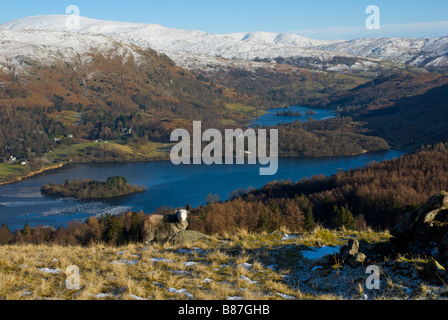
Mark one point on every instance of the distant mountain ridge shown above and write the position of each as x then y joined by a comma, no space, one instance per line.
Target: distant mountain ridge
185,46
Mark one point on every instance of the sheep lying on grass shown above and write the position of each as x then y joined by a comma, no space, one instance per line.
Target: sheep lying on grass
162,228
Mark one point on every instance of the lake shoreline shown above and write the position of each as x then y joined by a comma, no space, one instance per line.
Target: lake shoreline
33,173
65,164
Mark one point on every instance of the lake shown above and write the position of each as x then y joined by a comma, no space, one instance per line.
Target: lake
166,185
271,118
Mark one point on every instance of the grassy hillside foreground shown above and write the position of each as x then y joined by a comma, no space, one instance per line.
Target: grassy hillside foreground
242,266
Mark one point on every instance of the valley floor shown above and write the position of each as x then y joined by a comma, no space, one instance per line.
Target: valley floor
245,266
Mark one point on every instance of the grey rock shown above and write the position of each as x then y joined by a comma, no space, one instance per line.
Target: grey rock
424,229
350,254
350,250
359,258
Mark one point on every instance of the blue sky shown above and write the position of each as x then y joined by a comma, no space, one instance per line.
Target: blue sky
320,19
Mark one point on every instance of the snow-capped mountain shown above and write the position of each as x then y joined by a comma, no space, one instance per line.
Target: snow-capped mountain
415,51
160,37
240,46
56,46
197,49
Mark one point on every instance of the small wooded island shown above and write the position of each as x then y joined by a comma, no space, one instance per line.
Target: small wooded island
289,113
91,189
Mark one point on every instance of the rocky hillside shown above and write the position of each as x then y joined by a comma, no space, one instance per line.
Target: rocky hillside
89,69
425,232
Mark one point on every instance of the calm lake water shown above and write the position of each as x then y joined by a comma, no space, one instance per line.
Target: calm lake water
166,184
272,118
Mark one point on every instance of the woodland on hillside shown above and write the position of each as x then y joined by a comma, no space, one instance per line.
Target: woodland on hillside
334,137
284,86
380,193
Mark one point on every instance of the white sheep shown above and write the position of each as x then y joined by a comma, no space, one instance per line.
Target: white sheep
162,228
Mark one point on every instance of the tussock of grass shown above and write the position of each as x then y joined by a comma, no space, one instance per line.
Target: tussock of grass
339,237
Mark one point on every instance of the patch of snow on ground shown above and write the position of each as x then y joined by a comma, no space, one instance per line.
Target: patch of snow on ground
160,260
190,251
244,278
100,295
285,296
46,270
319,253
186,273
128,262
289,237
245,265
180,291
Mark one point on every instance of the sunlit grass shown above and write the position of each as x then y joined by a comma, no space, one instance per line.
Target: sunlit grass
236,265
8,171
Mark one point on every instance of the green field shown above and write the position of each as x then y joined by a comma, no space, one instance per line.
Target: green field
67,117
238,113
9,172
110,151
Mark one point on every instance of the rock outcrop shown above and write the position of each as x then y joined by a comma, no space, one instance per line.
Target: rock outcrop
350,254
424,232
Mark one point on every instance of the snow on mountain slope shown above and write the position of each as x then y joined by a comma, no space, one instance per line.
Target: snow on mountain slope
426,51
156,33
173,42
19,49
185,46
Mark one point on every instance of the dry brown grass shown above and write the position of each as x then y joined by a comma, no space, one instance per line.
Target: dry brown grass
222,267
